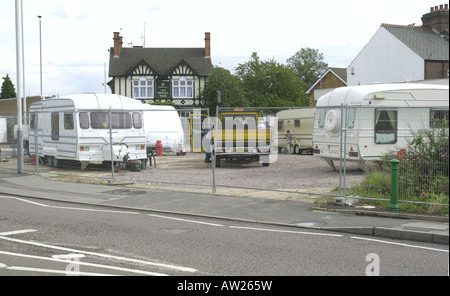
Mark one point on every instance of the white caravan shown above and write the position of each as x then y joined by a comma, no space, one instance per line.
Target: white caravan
299,122
380,119
162,123
77,127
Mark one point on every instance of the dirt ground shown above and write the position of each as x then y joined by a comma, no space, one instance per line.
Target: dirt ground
308,176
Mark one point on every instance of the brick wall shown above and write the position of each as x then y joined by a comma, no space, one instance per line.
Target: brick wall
436,70
329,81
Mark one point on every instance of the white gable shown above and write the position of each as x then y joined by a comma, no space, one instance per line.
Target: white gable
385,59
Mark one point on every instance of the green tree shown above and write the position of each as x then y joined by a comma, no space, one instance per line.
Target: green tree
271,84
231,90
308,64
8,91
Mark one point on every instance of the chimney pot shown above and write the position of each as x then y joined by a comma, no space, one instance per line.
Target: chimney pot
441,7
446,7
436,8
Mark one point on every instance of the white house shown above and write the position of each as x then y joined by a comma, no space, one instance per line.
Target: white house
398,53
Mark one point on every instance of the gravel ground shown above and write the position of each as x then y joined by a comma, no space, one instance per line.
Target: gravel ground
307,175
302,173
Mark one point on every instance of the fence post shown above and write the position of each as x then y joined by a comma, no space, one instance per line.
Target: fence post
394,185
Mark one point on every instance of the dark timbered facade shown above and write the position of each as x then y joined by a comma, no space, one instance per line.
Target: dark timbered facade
153,75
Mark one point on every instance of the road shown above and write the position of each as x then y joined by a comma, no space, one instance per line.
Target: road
39,237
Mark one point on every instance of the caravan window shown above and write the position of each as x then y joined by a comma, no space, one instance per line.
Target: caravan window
55,126
84,120
120,120
438,118
351,117
32,121
280,125
385,126
68,121
137,120
322,113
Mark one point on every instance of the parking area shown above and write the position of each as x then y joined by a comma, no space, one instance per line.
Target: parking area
308,175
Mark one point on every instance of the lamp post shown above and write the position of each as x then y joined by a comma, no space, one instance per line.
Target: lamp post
19,67
40,51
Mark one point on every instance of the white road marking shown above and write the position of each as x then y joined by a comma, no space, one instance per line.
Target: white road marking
162,265
16,232
287,231
399,244
69,208
184,220
56,258
80,273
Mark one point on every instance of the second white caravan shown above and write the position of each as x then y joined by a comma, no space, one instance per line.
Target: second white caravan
377,119
162,123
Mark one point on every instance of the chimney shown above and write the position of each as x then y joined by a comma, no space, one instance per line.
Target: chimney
436,19
207,44
117,44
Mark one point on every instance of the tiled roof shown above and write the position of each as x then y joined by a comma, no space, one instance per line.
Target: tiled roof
428,44
161,60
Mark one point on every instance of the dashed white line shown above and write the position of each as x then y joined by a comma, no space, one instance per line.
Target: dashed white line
287,231
184,220
17,232
399,244
70,208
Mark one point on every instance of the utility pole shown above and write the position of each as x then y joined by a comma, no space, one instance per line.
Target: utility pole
19,67
40,51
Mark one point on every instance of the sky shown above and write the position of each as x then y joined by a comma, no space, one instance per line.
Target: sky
76,35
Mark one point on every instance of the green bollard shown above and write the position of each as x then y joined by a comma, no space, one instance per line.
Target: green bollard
394,185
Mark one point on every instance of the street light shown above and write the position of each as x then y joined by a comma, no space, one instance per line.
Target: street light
40,50
19,67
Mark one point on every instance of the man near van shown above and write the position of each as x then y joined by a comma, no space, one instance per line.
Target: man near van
288,141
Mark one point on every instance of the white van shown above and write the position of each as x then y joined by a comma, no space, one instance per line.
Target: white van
299,122
162,123
77,127
380,119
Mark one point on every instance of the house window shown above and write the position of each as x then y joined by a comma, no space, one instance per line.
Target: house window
385,126
142,88
183,88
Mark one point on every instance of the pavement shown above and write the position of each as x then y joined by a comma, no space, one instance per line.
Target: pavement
344,219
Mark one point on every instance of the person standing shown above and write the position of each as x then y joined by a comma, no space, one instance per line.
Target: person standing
288,141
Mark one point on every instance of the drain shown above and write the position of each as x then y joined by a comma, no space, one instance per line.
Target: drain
310,224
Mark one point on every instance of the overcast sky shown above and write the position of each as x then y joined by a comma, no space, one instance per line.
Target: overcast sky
76,35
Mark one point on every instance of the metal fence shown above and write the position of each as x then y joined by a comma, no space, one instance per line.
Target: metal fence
415,136
373,136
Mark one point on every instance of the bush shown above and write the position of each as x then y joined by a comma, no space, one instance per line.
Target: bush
423,171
